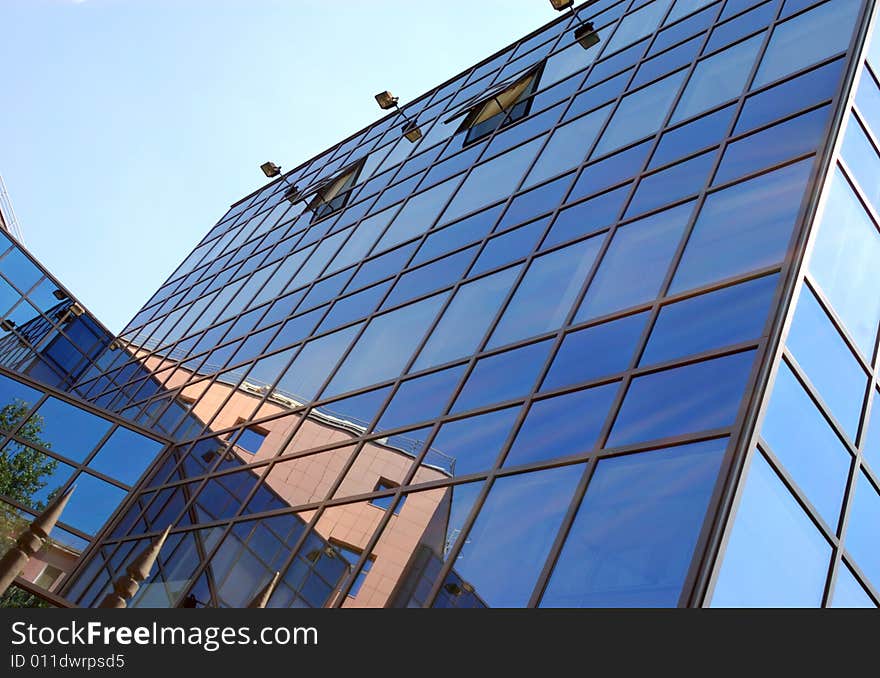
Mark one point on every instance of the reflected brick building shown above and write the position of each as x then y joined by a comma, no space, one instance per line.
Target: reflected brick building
604,334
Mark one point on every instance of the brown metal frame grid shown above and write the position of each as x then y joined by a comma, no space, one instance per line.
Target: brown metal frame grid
740,432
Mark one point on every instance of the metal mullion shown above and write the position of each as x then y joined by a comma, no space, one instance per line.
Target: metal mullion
726,499
479,502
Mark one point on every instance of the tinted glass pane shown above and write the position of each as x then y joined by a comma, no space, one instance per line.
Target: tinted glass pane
92,503
15,401
68,430
808,38
672,184
605,173
510,246
546,293
595,352
550,430
633,268
431,277
712,320
778,143
775,556
723,244
844,263
312,365
827,362
385,346
848,592
126,455
871,444
697,397
587,217
509,542
569,146
633,538
789,97
863,530
718,78
420,399
502,377
700,133
636,25
466,319
806,445
640,114
862,160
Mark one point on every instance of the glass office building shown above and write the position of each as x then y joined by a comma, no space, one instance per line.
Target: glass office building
593,323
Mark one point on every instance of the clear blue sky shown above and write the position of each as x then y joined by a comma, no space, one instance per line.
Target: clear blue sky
129,126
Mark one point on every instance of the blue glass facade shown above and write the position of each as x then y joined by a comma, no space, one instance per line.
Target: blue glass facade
570,348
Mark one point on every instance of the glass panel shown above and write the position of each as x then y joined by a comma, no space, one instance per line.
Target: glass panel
871,438
38,476
568,147
636,263
420,399
68,430
552,429
718,78
595,352
632,541
472,445
827,362
789,97
693,136
808,38
863,530
430,277
466,319
503,377
92,503
640,114
698,397
509,542
16,400
713,320
509,246
723,244
545,295
807,446
125,455
775,556
848,592
637,25
313,364
672,184
586,217
385,346
844,263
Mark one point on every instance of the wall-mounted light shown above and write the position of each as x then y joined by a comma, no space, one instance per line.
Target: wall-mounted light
271,170
585,34
411,129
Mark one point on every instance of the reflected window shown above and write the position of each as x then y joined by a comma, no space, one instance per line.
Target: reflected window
251,439
635,265
698,397
633,538
384,503
351,556
775,556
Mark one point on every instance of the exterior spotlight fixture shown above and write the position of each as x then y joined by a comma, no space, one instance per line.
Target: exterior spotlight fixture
386,100
7,325
60,295
271,170
76,309
411,129
456,590
585,34
114,345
